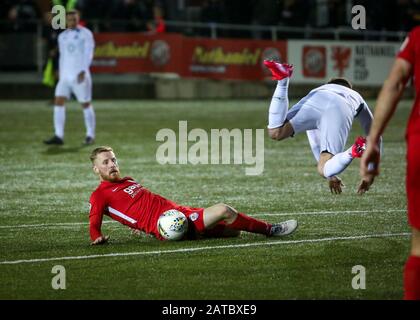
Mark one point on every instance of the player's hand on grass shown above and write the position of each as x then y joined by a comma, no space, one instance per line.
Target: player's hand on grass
81,77
369,163
100,240
136,232
365,184
369,167
335,185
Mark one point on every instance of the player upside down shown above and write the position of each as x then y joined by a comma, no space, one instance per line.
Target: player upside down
326,114
129,203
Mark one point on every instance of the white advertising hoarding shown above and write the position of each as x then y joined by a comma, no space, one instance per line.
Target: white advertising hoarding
363,63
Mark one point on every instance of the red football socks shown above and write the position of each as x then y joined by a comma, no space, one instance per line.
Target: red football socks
246,223
412,279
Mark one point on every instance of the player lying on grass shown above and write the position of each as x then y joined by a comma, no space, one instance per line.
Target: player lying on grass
129,203
326,114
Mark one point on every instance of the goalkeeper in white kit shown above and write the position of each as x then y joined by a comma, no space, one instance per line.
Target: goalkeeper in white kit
76,47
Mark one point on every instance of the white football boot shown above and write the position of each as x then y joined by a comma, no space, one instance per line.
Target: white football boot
283,228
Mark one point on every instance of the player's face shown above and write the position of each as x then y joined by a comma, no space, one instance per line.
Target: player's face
72,20
106,166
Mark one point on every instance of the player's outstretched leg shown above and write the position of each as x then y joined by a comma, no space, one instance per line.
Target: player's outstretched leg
280,101
329,166
239,221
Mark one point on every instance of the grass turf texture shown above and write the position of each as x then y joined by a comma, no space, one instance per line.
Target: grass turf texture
51,185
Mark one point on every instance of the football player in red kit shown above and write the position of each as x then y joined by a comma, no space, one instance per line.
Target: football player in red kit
406,65
128,202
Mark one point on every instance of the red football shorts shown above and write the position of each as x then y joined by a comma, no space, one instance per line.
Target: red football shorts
195,218
196,228
413,179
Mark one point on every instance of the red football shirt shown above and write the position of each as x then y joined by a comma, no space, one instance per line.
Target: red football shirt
410,51
129,203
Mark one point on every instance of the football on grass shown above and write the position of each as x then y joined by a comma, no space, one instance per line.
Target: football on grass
172,225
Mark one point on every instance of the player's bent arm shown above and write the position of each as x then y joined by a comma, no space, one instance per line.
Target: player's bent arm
389,97
95,220
386,104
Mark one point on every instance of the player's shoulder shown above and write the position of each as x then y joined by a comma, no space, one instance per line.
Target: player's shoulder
62,34
335,87
343,90
97,194
358,95
85,31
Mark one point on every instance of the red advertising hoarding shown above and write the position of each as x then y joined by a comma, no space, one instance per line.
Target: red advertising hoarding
136,53
230,59
188,57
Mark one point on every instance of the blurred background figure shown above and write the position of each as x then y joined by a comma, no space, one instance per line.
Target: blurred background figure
157,25
76,47
20,15
50,35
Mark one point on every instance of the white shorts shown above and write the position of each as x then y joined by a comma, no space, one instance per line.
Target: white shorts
329,113
83,91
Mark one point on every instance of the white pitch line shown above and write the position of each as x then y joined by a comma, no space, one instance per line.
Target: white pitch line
47,225
65,224
327,212
183,250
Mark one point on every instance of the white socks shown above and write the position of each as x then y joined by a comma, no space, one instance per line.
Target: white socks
90,122
337,163
279,105
59,120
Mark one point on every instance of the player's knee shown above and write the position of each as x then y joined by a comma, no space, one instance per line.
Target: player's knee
324,157
85,105
320,168
59,101
226,212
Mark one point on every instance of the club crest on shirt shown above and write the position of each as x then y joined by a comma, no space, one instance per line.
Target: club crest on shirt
193,216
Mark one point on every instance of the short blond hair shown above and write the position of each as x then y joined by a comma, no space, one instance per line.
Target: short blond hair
99,150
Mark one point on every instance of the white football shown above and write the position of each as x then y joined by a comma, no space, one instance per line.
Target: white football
172,225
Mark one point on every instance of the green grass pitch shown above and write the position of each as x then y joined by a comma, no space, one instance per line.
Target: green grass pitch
44,194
